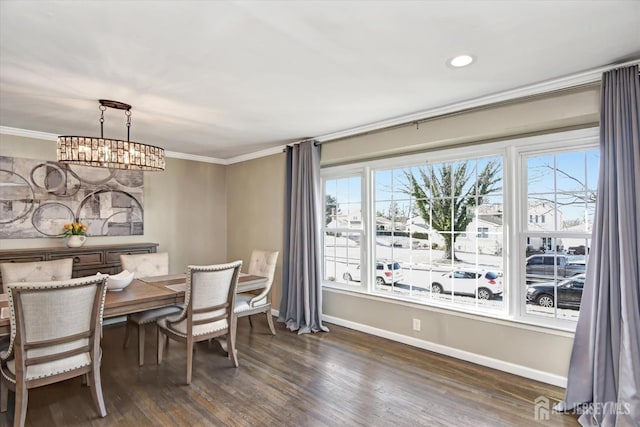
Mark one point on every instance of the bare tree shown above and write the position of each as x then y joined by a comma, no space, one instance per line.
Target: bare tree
443,202
581,195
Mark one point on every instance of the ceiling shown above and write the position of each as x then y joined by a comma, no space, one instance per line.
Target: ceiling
222,79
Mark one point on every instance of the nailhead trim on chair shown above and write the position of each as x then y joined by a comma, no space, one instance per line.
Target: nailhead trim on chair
50,375
175,331
187,295
55,285
152,315
12,379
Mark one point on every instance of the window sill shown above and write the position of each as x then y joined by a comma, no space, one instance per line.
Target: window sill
564,331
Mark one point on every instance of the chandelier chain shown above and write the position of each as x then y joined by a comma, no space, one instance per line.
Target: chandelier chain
128,114
102,110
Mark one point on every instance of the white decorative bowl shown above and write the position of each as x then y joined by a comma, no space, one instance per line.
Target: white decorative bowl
118,282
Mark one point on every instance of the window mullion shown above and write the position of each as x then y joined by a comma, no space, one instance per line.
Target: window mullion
368,226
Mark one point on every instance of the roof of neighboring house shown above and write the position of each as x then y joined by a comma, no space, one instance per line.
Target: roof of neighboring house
492,219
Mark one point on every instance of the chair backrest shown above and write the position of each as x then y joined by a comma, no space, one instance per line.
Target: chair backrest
146,265
209,299
55,326
38,271
263,263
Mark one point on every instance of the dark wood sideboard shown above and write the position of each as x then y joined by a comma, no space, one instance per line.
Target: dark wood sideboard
87,260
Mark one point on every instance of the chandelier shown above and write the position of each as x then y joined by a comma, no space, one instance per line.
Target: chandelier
110,153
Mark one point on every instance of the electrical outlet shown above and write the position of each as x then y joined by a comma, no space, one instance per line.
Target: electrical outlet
416,324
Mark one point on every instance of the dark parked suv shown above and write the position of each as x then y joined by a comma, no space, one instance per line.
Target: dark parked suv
552,265
568,293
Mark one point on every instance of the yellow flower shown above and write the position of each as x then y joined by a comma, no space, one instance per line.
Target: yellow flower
75,228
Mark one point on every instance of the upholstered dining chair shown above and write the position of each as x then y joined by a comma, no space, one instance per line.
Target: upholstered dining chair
262,263
146,265
208,311
55,335
37,271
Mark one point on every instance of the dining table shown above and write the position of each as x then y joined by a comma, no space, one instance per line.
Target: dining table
143,294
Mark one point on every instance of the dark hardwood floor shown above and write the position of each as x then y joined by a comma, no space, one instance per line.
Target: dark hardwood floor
344,378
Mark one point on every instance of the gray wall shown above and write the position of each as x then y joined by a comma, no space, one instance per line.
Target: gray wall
570,109
185,208
255,209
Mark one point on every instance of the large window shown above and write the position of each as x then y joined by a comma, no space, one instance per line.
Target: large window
442,223
434,229
561,189
342,232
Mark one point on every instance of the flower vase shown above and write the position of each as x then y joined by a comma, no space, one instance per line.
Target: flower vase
76,240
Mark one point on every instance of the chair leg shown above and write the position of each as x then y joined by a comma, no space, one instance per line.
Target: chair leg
231,341
233,355
22,397
4,396
96,391
189,359
250,322
160,346
141,337
127,332
270,321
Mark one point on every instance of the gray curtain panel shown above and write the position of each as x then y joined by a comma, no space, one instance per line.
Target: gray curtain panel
604,373
301,304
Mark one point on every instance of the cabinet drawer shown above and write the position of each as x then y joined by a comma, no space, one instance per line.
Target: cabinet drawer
83,272
83,258
25,258
114,256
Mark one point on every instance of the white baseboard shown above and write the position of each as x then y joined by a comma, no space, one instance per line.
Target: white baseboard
479,359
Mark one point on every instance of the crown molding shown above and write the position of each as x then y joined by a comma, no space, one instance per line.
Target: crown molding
256,154
26,133
5,130
195,158
561,83
565,82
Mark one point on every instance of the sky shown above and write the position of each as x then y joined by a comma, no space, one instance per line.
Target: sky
570,179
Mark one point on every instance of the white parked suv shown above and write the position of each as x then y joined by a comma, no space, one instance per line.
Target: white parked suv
465,282
387,272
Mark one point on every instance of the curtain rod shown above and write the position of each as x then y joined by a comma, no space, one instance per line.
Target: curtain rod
590,78
315,143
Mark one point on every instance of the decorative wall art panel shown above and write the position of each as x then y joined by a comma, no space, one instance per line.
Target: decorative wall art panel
38,197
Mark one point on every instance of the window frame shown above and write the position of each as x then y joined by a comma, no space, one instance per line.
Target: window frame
514,152
347,171
566,142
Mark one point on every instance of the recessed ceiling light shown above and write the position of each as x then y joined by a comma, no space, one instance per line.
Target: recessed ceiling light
460,61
